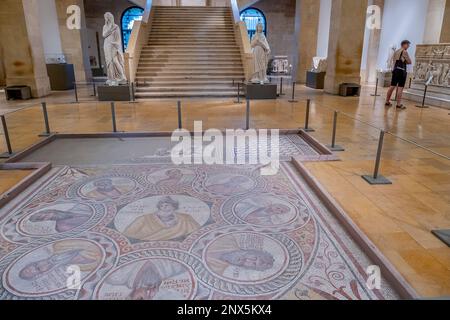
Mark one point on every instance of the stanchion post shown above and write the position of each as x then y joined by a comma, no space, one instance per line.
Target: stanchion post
113,116
238,100
378,179
132,94
247,118
308,111
423,106
281,86
293,93
9,153
76,91
180,119
334,146
46,121
376,89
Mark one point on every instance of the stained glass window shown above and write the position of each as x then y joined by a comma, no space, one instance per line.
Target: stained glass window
252,17
128,18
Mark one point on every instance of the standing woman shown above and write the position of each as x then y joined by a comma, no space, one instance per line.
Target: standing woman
401,60
115,66
261,50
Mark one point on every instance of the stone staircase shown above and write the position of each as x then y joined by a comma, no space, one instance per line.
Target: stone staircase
191,52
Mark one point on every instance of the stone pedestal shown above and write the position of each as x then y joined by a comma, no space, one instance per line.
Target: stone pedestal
62,76
261,92
315,80
348,19
114,93
384,79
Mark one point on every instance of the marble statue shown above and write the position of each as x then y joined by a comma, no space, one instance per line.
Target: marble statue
261,51
115,68
319,64
390,62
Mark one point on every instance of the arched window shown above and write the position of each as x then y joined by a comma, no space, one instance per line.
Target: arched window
251,17
129,16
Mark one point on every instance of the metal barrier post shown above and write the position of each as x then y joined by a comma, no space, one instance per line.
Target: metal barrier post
46,122
293,93
333,146
238,93
10,153
308,110
113,115
247,120
377,179
376,90
76,91
423,106
94,86
132,95
281,86
180,120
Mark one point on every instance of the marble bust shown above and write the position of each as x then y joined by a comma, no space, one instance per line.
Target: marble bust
261,52
115,68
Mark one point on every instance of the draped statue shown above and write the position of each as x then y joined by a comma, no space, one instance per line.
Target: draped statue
115,68
261,51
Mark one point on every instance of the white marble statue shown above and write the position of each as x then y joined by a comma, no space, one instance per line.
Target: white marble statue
390,61
115,68
319,64
261,51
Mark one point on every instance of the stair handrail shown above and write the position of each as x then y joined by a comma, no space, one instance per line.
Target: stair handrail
138,39
243,40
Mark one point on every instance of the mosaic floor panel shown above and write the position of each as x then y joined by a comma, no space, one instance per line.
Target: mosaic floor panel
149,231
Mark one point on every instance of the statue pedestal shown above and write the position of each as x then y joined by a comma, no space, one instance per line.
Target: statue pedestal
261,91
384,78
114,93
315,80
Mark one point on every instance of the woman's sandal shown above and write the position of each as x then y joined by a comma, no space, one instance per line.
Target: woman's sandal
400,106
388,104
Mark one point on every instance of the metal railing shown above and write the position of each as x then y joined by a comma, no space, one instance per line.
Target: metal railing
375,178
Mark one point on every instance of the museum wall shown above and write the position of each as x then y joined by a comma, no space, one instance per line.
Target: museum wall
94,11
280,17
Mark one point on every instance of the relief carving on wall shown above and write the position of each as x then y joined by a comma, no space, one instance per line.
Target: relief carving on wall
433,60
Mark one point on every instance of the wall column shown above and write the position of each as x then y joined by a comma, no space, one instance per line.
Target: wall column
445,31
74,42
433,26
307,14
348,18
373,47
22,49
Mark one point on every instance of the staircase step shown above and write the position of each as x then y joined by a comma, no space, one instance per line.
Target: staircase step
234,74
153,88
183,83
189,94
184,78
195,64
